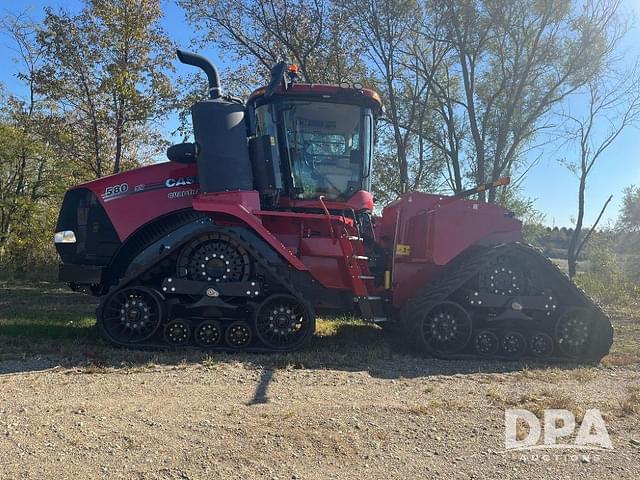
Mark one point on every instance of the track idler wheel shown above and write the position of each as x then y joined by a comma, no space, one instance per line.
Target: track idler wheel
283,322
486,343
238,334
573,331
445,328
208,333
177,332
131,315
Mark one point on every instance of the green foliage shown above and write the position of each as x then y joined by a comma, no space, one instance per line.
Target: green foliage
30,176
629,219
524,208
105,71
29,252
96,86
604,277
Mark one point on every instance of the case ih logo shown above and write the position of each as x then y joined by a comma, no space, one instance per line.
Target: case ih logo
592,433
180,182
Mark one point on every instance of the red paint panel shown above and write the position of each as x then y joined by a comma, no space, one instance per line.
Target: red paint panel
436,230
147,195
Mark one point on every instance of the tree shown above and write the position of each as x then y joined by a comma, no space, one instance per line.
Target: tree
514,61
629,219
613,105
308,33
28,168
105,69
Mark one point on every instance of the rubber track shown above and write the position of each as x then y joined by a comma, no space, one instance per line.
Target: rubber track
466,266
259,258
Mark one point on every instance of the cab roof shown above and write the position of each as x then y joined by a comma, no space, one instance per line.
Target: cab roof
324,91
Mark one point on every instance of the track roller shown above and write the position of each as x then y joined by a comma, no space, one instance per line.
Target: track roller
541,345
208,333
238,334
177,332
486,343
513,344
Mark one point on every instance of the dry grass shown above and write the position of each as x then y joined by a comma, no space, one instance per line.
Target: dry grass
555,374
429,408
626,342
537,402
630,404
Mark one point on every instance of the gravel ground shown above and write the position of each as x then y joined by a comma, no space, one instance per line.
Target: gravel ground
251,417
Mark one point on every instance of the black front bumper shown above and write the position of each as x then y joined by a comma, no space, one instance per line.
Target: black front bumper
80,274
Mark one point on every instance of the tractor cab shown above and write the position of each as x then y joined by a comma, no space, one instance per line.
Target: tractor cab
319,139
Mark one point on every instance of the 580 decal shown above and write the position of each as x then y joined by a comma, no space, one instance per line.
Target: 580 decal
115,190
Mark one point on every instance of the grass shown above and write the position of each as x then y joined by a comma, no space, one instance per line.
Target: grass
46,311
47,318
626,344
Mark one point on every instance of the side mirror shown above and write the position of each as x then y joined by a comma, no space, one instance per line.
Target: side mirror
183,152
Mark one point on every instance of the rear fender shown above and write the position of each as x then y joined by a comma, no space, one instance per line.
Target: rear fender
170,243
430,231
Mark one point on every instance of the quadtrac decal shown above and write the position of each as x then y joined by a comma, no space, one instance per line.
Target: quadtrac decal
120,190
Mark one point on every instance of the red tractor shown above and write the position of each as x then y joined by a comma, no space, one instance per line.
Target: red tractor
266,220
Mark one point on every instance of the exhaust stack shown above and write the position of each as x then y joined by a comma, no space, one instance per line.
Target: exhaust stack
190,58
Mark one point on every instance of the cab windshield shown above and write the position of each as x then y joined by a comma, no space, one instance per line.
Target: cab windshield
328,145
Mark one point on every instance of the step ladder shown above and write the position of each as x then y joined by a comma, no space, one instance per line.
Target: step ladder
371,308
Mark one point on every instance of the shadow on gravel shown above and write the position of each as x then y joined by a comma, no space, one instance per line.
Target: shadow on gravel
45,326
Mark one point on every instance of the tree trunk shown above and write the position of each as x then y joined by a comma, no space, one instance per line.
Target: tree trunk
572,251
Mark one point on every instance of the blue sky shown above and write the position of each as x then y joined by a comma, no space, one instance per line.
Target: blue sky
550,184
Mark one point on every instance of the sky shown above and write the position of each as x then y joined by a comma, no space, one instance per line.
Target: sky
551,185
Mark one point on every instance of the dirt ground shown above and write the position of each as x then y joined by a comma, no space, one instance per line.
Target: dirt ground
352,405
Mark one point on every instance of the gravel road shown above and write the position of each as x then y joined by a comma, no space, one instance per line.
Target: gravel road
250,417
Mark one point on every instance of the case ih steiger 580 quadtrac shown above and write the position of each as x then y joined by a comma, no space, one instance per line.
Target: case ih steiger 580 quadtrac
266,220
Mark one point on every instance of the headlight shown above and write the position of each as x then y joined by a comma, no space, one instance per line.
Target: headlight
66,236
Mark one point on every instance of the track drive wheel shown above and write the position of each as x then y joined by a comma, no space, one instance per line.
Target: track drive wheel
506,275
131,315
445,328
283,322
214,258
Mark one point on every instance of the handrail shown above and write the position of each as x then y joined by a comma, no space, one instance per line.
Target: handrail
328,214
